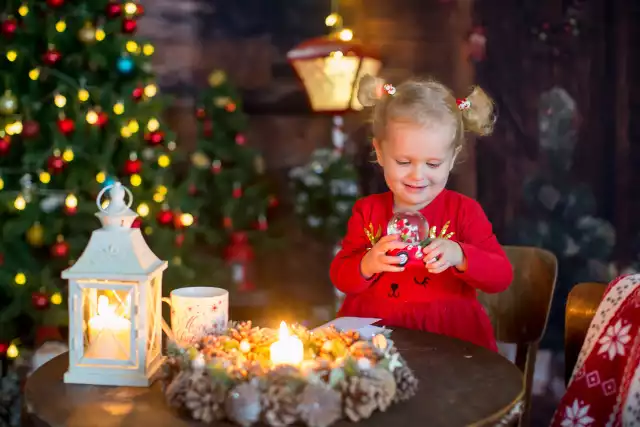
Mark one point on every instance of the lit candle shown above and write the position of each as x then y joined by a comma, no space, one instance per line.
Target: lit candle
288,350
109,334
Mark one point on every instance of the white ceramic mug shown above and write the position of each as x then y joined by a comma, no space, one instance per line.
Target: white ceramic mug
196,312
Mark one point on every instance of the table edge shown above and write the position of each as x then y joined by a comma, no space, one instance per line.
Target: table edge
498,416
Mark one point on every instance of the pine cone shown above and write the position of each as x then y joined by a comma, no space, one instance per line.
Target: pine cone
320,406
359,397
176,391
385,385
280,404
243,404
170,369
406,383
205,399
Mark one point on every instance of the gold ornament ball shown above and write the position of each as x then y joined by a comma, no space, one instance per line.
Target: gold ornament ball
216,78
87,34
35,235
8,103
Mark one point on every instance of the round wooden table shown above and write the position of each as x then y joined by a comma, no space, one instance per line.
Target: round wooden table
460,385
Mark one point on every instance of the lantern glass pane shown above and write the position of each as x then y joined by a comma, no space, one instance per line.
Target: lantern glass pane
107,323
154,311
369,66
329,81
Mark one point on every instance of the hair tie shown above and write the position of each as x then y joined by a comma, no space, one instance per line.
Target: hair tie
463,104
389,88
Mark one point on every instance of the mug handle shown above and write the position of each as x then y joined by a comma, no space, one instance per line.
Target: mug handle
165,327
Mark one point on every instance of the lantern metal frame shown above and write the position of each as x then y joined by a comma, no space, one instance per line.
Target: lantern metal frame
116,259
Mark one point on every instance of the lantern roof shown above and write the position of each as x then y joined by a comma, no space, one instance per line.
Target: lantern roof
116,251
326,45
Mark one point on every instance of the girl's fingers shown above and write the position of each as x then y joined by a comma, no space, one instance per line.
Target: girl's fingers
389,246
390,260
392,268
440,268
433,254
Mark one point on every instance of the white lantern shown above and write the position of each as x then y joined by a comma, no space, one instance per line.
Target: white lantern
330,69
115,291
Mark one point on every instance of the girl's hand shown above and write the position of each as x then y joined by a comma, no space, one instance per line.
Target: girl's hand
376,259
441,254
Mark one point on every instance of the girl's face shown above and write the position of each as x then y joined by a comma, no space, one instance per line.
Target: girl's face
416,161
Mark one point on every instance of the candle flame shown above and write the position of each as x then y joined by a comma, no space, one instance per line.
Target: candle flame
104,309
284,331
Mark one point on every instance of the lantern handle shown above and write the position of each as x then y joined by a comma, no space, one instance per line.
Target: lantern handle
117,197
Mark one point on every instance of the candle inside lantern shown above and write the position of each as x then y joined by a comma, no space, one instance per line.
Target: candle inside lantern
288,350
109,334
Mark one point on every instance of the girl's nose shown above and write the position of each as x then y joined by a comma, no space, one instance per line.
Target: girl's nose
416,172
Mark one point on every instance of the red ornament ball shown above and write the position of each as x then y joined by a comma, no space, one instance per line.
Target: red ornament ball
165,217
5,144
201,113
103,118
227,222
40,300
60,249
9,27
1,259
132,166
230,107
129,25
30,129
237,192
113,9
55,3
273,201
240,139
154,138
140,10
55,164
137,93
179,240
4,346
207,128
70,210
51,56
66,126
193,190
137,223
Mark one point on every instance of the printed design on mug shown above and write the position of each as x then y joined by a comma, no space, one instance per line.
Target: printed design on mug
196,322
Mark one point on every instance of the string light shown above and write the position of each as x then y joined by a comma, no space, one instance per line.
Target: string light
148,49
56,299
12,351
1,183
130,8
83,95
135,180
14,128
118,108
164,161
61,26
12,55
186,219
45,177
131,46
60,100
71,201
23,10
332,20
346,35
100,34
150,90
101,177
125,132
143,209
20,279
158,197
133,126
91,117
34,74
67,155
153,125
20,203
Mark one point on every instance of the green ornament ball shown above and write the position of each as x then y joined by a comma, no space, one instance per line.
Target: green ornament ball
8,103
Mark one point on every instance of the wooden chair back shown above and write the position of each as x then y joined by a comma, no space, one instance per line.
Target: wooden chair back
582,304
519,315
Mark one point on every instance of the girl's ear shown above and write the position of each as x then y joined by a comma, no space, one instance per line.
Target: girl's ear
376,146
455,155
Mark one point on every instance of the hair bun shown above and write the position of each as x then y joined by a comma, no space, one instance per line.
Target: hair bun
369,90
479,118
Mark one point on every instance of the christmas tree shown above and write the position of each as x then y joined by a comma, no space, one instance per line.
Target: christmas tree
79,110
230,177
560,213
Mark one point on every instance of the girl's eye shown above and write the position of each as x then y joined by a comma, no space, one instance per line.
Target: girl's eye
434,165
402,163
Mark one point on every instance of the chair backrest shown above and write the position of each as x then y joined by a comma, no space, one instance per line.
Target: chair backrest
582,304
519,314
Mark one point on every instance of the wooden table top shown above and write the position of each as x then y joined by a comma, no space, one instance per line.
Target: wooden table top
460,385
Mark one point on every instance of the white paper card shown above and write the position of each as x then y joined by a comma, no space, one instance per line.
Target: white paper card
364,325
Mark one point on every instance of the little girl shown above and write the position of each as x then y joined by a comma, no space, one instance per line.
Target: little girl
418,132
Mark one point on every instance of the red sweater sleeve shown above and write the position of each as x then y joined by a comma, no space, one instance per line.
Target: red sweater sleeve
488,268
345,268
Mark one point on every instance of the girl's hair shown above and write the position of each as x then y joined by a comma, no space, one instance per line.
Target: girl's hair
425,102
